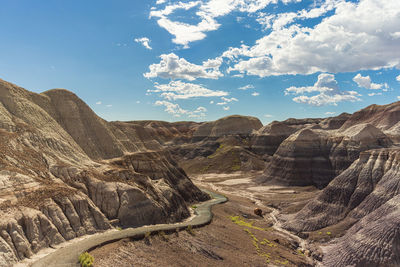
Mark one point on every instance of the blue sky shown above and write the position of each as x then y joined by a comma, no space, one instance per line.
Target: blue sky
205,59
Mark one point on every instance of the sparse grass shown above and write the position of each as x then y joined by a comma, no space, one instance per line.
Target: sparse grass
118,228
86,260
235,167
263,248
190,230
205,168
194,207
221,146
242,222
147,238
147,235
163,236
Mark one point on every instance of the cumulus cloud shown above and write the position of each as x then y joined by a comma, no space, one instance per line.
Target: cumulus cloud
246,87
207,12
227,100
172,66
374,94
180,90
358,36
365,82
327,90
98,103
278,21
330,113
398,78
226,108
144,41
268,116
175,110
255,94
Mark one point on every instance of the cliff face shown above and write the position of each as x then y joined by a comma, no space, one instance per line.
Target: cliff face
65,172
366,195
314,156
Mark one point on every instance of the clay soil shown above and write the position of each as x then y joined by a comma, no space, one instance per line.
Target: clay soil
236,237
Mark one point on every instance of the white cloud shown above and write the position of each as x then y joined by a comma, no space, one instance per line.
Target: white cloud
159,2
229,99
398,78
226,101
109,106
278,21
255,94
327,89
374,94
177,111
398,98
365,82
207,12
211,102
144,41
181,90
246,87
268,116
330,113
358,36
173,67
138,102
98,103
226,108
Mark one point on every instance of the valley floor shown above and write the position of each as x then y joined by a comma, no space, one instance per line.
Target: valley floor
236,237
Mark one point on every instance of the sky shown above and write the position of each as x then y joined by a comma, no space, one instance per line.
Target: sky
205,59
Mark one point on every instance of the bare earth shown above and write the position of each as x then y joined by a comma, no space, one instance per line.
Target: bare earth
236,237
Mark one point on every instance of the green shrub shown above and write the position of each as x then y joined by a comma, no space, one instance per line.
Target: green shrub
190,230
86,260
163,236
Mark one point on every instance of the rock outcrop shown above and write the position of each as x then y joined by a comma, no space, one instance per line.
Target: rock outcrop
231,125
65,172
366,196
315,156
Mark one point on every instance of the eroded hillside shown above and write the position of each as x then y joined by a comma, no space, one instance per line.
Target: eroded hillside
65,172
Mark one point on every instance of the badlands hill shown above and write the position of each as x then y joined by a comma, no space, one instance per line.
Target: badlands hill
65,172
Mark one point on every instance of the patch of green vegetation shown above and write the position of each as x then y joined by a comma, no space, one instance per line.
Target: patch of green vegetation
242,222
190,230
300,252
261,247
205,168
221,146
194,207
86,260
235,167
147,238
268,243
163,236
119,228
328,233
283,262
147,235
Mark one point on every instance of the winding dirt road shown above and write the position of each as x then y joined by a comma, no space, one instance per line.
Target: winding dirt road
68,255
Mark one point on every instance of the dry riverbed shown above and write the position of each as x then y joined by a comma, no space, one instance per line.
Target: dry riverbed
236,237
